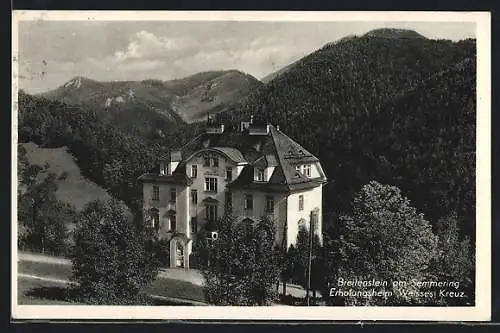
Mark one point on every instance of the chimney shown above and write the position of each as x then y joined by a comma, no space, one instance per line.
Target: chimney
277,127
251,119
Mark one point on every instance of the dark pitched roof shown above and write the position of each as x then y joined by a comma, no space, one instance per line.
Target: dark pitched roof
232,153
266,161
271,149
290,154
173,156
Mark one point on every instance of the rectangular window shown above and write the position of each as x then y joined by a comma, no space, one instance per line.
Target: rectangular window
164,168
211,184
173,195
194,196
172,223
194,225
249,202
156,193
229,174
229,202
156,219
194,171
269,204
307,170
206,160
259,175
301,202
211,213
215,161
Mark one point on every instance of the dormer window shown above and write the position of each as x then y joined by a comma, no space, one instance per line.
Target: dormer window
307,170
259,174
163,168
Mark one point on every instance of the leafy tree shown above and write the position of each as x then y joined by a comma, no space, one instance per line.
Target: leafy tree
113,261
455,258
43,220
385,239
242,264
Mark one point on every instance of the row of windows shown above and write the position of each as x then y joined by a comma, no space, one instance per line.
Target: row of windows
210,161
249,203
229,172
211,186
211,211
173,223
156,220
156,194
269,202
211,216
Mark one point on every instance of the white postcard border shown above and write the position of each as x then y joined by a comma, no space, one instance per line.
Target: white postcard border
480,312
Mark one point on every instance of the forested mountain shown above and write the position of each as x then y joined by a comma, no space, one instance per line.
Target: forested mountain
152,106
390,106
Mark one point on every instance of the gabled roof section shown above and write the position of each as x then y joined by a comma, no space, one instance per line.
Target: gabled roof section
273,149
290,154
232,153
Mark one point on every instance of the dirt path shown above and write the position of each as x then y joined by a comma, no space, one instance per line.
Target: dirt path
188,275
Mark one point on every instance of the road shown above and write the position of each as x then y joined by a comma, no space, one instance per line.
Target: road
38,272
177,285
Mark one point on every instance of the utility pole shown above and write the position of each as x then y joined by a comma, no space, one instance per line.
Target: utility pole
311,234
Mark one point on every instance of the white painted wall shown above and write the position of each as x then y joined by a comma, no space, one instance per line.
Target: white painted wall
259,208
312,199
198,184
164,204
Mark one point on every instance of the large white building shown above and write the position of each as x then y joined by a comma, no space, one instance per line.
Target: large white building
253,171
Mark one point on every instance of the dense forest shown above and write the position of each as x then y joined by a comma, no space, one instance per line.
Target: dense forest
396,110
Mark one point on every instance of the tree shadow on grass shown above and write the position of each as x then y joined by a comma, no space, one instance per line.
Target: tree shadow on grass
54,293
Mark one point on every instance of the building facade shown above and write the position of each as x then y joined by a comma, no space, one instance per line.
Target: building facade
249,172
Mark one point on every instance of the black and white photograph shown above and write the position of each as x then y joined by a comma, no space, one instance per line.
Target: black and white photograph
280,165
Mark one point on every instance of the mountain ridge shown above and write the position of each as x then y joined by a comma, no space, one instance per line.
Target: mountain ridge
186,99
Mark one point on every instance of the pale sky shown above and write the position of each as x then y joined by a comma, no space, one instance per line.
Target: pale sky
52,52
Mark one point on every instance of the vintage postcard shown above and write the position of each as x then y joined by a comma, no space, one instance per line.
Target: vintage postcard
255,165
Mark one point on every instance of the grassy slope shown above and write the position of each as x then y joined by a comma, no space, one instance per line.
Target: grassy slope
75,189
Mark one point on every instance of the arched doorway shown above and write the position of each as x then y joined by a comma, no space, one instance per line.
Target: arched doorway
179,254
180,250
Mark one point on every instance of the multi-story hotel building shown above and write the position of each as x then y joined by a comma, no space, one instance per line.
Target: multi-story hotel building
253,171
